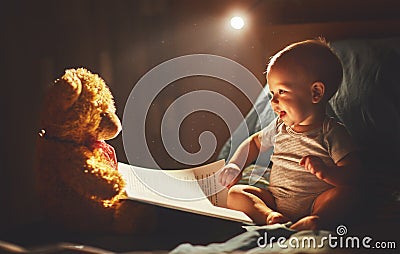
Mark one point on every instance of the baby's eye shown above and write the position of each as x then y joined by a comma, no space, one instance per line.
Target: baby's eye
280,91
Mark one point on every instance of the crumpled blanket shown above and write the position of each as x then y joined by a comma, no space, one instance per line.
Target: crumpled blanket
277,238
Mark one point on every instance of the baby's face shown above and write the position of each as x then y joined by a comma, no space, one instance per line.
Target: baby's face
291,98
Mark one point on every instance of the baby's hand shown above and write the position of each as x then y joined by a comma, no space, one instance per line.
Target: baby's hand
315,165
230,175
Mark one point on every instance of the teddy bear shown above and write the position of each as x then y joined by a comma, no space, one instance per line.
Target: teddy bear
77,171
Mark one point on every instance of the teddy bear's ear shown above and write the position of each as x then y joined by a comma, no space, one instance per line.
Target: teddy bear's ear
66,90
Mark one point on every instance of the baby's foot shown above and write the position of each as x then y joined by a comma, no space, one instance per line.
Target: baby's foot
307,223
275,217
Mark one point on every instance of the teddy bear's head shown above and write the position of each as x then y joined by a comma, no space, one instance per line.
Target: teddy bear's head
79,108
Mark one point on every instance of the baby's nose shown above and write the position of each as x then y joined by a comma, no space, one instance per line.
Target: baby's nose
274,99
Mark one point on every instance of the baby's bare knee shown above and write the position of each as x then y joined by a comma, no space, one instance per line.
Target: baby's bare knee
235,194
236,191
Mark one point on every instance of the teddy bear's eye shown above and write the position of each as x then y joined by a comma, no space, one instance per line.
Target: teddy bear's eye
103,114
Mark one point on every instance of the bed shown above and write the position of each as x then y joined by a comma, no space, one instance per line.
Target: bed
368,104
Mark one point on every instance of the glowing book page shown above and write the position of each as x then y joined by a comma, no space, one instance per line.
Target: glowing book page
181,189
207,178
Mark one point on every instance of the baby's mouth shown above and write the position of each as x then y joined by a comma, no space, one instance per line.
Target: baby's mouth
281,113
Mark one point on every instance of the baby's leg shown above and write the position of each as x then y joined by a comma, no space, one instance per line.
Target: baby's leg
331,208
257,203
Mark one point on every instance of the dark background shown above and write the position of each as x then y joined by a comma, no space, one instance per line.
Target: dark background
122,40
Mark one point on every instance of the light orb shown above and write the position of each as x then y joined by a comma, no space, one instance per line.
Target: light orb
237,23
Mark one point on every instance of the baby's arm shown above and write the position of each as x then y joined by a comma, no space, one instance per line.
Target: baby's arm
344,173
246,153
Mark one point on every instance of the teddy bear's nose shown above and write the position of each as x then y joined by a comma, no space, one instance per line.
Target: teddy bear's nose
109,126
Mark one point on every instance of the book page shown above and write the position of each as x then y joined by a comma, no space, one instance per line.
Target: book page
160,184
177,189
206,177
208,180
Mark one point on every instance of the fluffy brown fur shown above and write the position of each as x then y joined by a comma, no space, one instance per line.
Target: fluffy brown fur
78,180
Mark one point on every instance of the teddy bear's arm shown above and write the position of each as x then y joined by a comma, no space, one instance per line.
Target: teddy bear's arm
94,180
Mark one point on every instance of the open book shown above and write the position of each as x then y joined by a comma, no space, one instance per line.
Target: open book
195,190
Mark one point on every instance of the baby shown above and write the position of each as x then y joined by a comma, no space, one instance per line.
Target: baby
315,162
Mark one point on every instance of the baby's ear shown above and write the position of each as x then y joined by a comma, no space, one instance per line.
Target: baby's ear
317,91
66,90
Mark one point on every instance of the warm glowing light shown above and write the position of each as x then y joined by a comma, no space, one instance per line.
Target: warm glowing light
237,22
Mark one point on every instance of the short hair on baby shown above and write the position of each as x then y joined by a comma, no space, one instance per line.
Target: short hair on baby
315,59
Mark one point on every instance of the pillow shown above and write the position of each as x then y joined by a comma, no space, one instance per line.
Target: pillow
368,103
367,100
